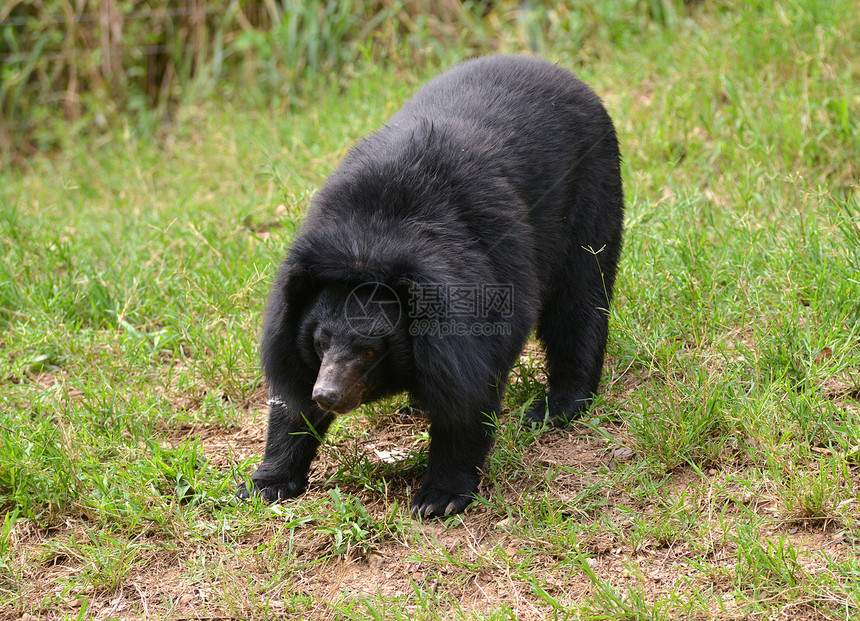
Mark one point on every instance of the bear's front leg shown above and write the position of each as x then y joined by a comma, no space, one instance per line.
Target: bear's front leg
295,431
457,452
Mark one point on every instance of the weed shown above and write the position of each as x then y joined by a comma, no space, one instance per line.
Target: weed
815,495
351,528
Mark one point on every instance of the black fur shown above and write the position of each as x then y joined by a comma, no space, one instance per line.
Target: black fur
504,170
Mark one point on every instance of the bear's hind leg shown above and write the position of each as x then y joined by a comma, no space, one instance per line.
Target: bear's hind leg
573,327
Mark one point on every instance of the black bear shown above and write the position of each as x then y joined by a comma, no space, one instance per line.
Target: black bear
491,203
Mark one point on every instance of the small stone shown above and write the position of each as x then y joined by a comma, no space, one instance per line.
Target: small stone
185,599
712,472
503,523
622,454
591,562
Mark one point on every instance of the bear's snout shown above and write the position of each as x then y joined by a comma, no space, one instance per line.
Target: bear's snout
338,388
326,398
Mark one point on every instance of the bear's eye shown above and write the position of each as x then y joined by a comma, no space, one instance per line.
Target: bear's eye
369,352
321,346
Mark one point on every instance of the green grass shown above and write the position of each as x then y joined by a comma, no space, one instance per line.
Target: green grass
133,275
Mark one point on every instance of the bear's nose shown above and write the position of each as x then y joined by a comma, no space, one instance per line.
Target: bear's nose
327,399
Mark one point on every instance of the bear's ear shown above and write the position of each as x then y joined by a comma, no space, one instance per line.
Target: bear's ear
291,293
295,284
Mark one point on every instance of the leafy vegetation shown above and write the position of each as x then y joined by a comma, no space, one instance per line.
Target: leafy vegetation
716,477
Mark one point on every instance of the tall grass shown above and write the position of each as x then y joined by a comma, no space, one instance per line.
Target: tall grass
73,69
95,63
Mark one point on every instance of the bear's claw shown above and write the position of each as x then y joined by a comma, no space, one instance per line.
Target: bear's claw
271,491
438,502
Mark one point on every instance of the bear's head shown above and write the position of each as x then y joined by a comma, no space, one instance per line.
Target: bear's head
357,337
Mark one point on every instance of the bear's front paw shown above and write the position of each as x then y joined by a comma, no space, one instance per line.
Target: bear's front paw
272,491
436,501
